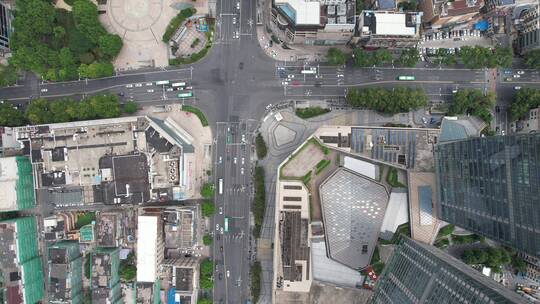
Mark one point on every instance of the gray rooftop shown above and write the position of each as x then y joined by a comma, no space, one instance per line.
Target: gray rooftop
353,211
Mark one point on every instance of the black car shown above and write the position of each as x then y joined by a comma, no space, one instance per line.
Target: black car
220,276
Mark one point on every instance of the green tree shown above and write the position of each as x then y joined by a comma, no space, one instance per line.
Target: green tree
207,190
503,57
208,209
128,272
96,70
58,110
10,117
532,59
519,264
335,56
207,240
260,145
407,6
85,14
382,56
130,107
473,102
110,45
409,57
8,75
398,100
524,99
362,58
38,111
204,301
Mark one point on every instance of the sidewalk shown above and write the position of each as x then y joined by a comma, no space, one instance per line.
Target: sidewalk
311,53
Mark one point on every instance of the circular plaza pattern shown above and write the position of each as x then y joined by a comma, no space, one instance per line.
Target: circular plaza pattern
135,15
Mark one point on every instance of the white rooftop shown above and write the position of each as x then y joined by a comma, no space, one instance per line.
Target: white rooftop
396,214
146,248
360,166
307,12
393,24
8,180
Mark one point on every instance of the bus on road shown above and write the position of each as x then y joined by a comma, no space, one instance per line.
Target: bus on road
220,186
226,225
186,94
406,78
162,82
178,84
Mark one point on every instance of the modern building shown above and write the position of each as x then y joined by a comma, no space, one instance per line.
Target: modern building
529,124
419,273
150,247
324,22
442,15
65,273
389,29
528,29
16,183
105,278
5,25
21,271
491,186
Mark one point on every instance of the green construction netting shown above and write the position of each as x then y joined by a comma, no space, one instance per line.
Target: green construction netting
28,256
25,183
32,280
156,292
86,233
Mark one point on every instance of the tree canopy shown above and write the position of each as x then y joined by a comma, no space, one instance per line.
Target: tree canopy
524,100
207,208
335,56
207,190
53,42
491,257
473,102
364,58
532,59
398,100
409,57
475,57
10,117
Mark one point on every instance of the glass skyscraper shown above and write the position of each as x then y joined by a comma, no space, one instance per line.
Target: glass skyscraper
419,273
5,25
491,186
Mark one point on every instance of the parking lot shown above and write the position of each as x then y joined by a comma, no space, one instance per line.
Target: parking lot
452,41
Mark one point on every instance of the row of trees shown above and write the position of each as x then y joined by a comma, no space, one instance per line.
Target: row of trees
475,57
398,100
205,277
259,200
491,257
473,102
42,111
362,58
58,44
532,59
525,99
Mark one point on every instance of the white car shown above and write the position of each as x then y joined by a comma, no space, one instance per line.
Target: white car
521,72
243,137
44,90
284,83
138,85
220,159
234,160
516,76
242,171
221,230
340,75
237,5
170,89
242,160
217,227
517,88
234,20
129,85
148,84
268,106
220,210
228,273
189,88
150,90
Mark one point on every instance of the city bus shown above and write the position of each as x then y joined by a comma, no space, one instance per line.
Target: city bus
162,82
186,94
178,84
220,186
226,225
310,71
406,78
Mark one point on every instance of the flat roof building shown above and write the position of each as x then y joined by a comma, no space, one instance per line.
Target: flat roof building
16,183
389,29
491,186
65,273
150,247
419,273
21,271
105,278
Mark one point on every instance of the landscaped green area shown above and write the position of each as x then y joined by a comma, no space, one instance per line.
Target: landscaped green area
260,146
196,111
130,107
335,56
175,23
475,57
398,100
128,268
362,58
259,200
207,240
306,113
87,265
307,176
524,100
466,239
8,75
441,243
376,262
409,57
207,190
205,275
208,209
490,257
392,178
84,219
473,102
255,281
321,166
196,56
43,111
62,45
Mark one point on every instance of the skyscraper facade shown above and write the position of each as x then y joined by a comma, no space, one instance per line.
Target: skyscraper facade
419,273
5,25
491,186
